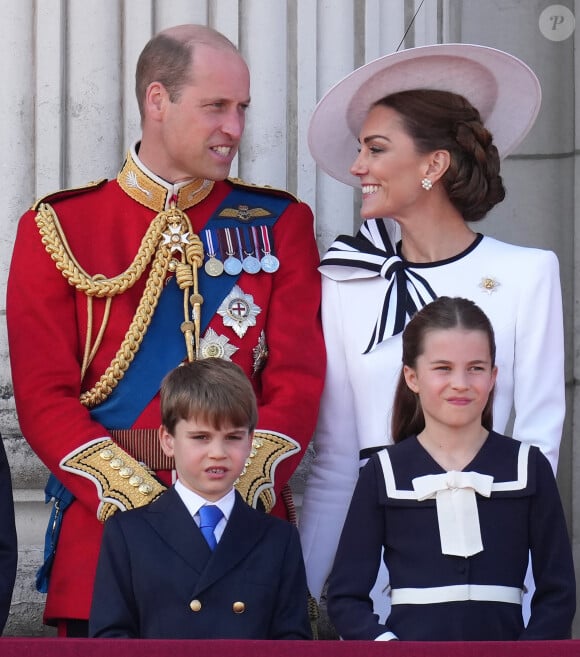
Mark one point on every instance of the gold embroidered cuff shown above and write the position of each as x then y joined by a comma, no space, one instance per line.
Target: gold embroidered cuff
257,479
121,481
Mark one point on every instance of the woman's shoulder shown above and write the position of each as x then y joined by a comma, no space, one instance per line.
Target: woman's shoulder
514,251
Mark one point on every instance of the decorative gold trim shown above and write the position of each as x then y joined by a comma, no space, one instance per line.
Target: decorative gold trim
121,481
256,481
153,195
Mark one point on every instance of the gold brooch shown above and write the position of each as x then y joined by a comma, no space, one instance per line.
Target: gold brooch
489,285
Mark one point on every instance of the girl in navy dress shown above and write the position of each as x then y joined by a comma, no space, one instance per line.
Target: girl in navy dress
456,507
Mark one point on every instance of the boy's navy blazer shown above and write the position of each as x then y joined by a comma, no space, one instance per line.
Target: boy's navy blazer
157,578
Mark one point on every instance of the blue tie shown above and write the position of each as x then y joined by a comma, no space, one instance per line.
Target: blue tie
209,517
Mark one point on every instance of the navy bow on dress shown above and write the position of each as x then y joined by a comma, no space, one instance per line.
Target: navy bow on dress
371,253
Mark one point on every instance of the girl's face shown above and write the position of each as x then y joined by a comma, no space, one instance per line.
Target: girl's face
453,377
388,166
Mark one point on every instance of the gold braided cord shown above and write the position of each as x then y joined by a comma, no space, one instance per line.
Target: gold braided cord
186,277
99,337
196,301
155,244
56,244
89,352
194,251
183,275
135,334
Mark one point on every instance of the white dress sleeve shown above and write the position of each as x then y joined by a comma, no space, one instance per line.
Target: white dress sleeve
334,471
539,379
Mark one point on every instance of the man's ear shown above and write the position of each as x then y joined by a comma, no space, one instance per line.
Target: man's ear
155,98
166,440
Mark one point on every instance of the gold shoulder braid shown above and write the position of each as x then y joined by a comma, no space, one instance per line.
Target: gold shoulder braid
180,237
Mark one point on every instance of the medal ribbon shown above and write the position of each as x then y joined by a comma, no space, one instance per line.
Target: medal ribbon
209,240
246,240
256,241
229,241
239,240
265,240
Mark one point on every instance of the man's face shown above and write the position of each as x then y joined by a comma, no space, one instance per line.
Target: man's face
200,132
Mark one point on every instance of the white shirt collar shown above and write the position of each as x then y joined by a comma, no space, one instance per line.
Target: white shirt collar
194,502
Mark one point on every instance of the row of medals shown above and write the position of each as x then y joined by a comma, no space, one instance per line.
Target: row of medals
233,266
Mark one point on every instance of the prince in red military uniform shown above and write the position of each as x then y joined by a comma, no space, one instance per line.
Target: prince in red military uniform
114,284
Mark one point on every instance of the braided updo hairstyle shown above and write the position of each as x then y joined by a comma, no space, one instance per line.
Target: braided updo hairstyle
444,120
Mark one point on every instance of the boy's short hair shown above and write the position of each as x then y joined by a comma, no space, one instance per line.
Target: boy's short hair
212,389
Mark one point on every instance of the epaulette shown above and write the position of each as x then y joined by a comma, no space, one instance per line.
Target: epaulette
67,193
266,189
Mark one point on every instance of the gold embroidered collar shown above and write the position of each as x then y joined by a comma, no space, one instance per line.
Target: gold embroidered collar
155,193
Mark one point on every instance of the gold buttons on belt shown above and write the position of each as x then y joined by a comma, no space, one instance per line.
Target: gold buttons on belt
195,605
239,607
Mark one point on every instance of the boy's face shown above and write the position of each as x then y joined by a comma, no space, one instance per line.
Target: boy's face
207,460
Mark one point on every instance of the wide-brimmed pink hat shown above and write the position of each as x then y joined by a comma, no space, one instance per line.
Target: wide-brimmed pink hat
506,92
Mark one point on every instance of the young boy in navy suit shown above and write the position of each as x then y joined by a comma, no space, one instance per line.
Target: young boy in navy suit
158,576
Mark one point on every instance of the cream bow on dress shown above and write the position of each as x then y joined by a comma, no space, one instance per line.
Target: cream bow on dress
457,513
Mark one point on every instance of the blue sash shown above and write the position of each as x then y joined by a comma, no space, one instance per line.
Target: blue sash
163,346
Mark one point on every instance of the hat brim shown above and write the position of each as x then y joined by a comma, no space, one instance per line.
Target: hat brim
504,89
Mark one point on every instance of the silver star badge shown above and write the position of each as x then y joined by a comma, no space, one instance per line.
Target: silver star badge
239,311
213,345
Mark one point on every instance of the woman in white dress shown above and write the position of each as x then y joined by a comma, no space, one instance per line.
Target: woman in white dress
431,125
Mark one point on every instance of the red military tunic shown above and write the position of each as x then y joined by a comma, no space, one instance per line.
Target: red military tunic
48,319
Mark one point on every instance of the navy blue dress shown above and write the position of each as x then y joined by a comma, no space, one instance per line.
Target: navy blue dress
523,514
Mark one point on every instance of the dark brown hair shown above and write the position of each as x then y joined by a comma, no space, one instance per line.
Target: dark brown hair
167,58
443,313
214,390
442,120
